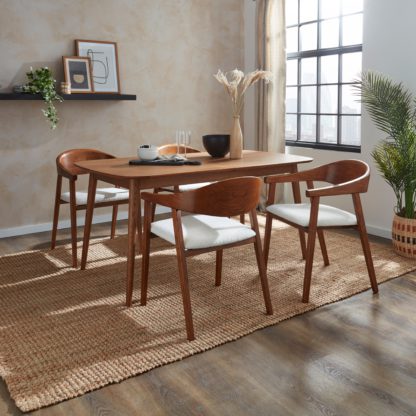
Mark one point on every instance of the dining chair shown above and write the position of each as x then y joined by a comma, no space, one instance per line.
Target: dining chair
170,149
346,177
77,200
208,228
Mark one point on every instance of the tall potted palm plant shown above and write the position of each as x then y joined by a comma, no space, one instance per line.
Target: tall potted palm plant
392,108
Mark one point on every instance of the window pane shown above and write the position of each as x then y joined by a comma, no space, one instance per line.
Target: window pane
328,129
351,66
330,33
291,8
321,104
308,71
291,99
292,39
308,100
351,130
292,72
329,8
329,99
329,69
308,128
308,10
350,101
291,127
351,6
308,37
352,30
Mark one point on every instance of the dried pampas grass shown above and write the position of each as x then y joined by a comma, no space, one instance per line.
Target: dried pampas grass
236,84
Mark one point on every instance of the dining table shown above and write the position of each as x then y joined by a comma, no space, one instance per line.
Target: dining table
136,178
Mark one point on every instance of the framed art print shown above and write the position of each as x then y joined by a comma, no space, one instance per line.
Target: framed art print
77,73
104,64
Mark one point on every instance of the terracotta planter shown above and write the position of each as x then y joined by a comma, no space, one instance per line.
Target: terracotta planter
404,236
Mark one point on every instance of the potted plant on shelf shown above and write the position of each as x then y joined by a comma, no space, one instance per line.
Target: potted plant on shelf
392,108
41,82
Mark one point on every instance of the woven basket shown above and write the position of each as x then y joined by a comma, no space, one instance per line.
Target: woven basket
404,236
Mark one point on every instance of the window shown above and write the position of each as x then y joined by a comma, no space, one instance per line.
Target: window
324,48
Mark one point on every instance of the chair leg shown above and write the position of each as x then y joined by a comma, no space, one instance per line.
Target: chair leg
323,247
183,274
114,221
261,263
73,210
56,211
302,243
155,191
218,267
308,265
364,242
267,237
310,248
242,218
145,253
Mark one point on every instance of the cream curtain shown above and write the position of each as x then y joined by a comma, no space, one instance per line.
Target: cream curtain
271,56
270,98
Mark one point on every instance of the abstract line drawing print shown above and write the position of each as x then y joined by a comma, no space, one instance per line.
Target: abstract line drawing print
100,66
104,64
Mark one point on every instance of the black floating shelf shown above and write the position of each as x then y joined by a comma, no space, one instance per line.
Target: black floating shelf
70,97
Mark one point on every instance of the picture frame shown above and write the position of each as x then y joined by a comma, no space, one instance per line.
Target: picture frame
104,64
77,73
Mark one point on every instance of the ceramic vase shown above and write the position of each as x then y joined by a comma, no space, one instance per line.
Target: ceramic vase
236,140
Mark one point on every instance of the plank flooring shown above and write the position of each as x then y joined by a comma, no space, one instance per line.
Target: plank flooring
354,357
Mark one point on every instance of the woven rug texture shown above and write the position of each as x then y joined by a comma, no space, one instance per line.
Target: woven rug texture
65,332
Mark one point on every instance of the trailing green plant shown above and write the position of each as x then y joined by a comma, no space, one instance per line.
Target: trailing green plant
392,108
41,82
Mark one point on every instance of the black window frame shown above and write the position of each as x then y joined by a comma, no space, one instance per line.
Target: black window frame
339,51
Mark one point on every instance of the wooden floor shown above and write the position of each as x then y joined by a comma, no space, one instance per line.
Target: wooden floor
356,357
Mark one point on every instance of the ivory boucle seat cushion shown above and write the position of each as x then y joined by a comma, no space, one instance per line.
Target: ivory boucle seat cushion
102,195
203,231
192,186
299,214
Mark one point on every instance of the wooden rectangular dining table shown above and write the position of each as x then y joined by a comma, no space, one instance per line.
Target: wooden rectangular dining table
138,177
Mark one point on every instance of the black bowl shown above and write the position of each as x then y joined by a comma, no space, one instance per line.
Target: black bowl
217,145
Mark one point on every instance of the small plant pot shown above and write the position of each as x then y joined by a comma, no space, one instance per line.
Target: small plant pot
404,236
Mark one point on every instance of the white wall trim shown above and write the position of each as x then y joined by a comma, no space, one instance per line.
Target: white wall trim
378,231
47,226
122,215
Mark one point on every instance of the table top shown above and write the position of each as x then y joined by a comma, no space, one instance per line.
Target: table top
253,163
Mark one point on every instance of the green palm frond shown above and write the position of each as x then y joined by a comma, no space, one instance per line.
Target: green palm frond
392,108
389,104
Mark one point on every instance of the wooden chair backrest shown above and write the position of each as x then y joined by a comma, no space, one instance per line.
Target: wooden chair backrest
224,198
170,149
353,172
65,162
346,171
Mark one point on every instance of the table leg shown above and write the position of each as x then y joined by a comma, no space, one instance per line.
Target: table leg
297,199
92,187
134,200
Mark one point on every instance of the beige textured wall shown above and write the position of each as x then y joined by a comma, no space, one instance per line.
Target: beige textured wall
168,51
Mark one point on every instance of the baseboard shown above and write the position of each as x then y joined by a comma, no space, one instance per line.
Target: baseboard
47,226
122,215
378,231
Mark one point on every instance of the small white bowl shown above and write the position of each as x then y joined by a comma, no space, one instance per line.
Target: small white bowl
147,152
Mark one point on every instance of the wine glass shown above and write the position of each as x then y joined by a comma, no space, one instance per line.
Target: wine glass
187,139
182,138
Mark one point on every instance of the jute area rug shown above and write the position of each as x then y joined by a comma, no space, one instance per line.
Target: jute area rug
64,332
